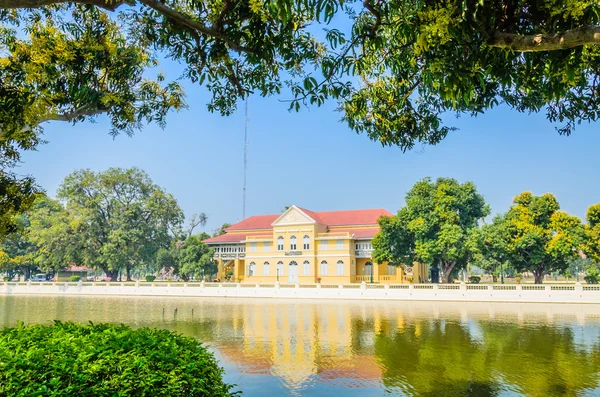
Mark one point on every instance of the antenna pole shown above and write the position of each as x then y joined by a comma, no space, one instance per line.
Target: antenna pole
245,160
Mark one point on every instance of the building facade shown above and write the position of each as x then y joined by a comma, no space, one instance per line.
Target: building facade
301,246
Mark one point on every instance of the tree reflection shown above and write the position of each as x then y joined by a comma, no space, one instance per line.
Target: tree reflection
444,358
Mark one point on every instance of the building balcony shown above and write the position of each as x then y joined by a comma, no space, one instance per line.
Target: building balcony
363,253
229,255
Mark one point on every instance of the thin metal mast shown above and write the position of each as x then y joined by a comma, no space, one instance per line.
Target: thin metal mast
245,160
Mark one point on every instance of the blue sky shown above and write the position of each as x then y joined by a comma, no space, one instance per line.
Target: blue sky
313,160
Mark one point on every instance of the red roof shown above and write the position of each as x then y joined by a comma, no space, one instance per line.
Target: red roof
232,237
329,218
360,233
347,218
74,268
254,222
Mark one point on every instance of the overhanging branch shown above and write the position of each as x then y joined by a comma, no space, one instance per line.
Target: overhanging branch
156,5
585,35
110,5
184,20
72,115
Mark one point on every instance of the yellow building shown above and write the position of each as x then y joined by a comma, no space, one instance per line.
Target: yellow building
301,246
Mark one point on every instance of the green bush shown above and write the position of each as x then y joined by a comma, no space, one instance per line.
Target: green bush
474,279
67,359
591,279
75,278
150,278
592,275
6,278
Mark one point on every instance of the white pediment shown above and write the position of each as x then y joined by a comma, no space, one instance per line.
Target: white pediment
293,216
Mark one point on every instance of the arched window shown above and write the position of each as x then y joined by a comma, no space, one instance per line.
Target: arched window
306,268
251,269
306,242
280,243
280,268
368,269
324,269
293,243
339,268
266,269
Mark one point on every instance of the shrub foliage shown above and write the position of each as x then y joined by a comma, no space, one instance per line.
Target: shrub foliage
68,359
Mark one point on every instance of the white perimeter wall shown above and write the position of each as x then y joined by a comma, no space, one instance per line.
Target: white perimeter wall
553,293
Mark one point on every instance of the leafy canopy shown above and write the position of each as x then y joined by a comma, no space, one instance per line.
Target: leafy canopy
435,226
188,258
592,233
491,247
395,67
539,237
113,220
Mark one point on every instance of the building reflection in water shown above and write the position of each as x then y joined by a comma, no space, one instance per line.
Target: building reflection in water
366,348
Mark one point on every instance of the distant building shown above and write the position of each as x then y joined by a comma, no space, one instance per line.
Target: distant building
301,246
66,273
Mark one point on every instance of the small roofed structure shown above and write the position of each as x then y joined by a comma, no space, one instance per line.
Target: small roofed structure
72,270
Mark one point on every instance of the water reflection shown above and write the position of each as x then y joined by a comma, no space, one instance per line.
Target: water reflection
365,348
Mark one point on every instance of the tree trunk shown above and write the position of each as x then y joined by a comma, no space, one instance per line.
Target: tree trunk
112,274
538,274
447,278
26,272
447,269
128,270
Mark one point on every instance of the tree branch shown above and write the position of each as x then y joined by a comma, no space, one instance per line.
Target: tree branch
184,20
110,5
585,35
69,116
159,6
369,6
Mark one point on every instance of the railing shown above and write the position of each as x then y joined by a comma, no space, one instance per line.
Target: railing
229,255
363,253
550,293
385,278
504,287
477,287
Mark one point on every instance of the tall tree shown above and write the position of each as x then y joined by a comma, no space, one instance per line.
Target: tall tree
188,258
123,218
56,234
540,238
592,233
19,252
492,250
435,227
196,258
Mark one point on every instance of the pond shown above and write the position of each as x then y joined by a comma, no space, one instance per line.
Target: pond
324,348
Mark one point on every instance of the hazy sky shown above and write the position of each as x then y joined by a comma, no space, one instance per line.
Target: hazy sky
313,160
